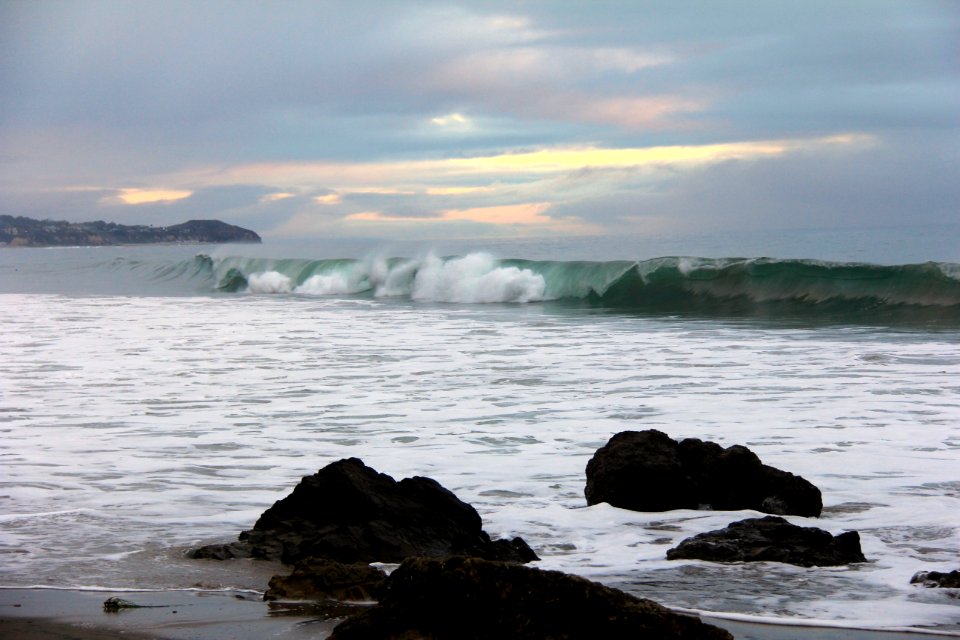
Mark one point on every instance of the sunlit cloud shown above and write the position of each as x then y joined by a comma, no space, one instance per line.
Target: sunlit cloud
329,199
457,191
508,23
453,119
521,219
149,196
411,177
274,197
572,159
544,190
636,113
382,191
338,196
512,214
460,115
378,216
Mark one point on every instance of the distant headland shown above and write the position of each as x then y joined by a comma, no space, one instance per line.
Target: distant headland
18,231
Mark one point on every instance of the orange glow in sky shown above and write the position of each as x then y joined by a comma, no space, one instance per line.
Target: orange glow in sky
147,196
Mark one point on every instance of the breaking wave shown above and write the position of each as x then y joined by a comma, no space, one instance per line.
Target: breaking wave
475,278
710,286
738,286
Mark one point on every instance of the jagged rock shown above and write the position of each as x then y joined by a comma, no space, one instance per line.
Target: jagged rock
470,599
771,539
322,579
649,471
350,513
937,579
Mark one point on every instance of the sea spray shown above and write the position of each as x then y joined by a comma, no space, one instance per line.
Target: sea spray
269,282
847,292
709,286
151,403
394,281
475,278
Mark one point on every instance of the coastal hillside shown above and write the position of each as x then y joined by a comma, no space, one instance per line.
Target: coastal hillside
18,231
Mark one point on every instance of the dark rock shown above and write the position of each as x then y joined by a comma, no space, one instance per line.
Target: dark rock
321,579
467,599
115,605
937,579
226,551
350,513
771,539
649,471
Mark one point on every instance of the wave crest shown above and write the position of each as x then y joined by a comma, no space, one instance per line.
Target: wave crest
476,278
711,286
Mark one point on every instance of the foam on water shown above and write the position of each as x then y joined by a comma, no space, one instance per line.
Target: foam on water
134,428
475,278
270,282
926,293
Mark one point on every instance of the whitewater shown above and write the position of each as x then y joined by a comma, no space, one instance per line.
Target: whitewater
153,399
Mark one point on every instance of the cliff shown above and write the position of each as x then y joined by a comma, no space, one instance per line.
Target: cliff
18,231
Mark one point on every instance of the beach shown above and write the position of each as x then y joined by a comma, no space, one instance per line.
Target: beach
45,614
658,296
148,411
55,613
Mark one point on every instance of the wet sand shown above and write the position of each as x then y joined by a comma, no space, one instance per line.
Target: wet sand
32,629
49,614
170,615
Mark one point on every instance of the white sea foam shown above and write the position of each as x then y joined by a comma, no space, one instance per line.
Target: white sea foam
269,282
137,427
334,283
396,281
475,278
10,517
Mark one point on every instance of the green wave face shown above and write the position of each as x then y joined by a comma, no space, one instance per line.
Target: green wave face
794,287
741,287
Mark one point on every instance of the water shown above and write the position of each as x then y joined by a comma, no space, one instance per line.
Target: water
146,408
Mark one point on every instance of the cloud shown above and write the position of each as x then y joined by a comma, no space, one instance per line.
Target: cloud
147,196
515,220
543,83
573,190
886,185
389,117
524,219
329,198
280,195
513,214
590,191
413,176
452,121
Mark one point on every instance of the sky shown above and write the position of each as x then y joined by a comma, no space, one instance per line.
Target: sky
390,119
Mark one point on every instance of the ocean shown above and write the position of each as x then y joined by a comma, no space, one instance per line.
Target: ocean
157,398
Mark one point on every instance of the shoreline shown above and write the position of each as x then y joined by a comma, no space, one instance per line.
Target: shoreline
65,614
62,614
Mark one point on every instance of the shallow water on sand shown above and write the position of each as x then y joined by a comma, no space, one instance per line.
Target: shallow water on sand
133,428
